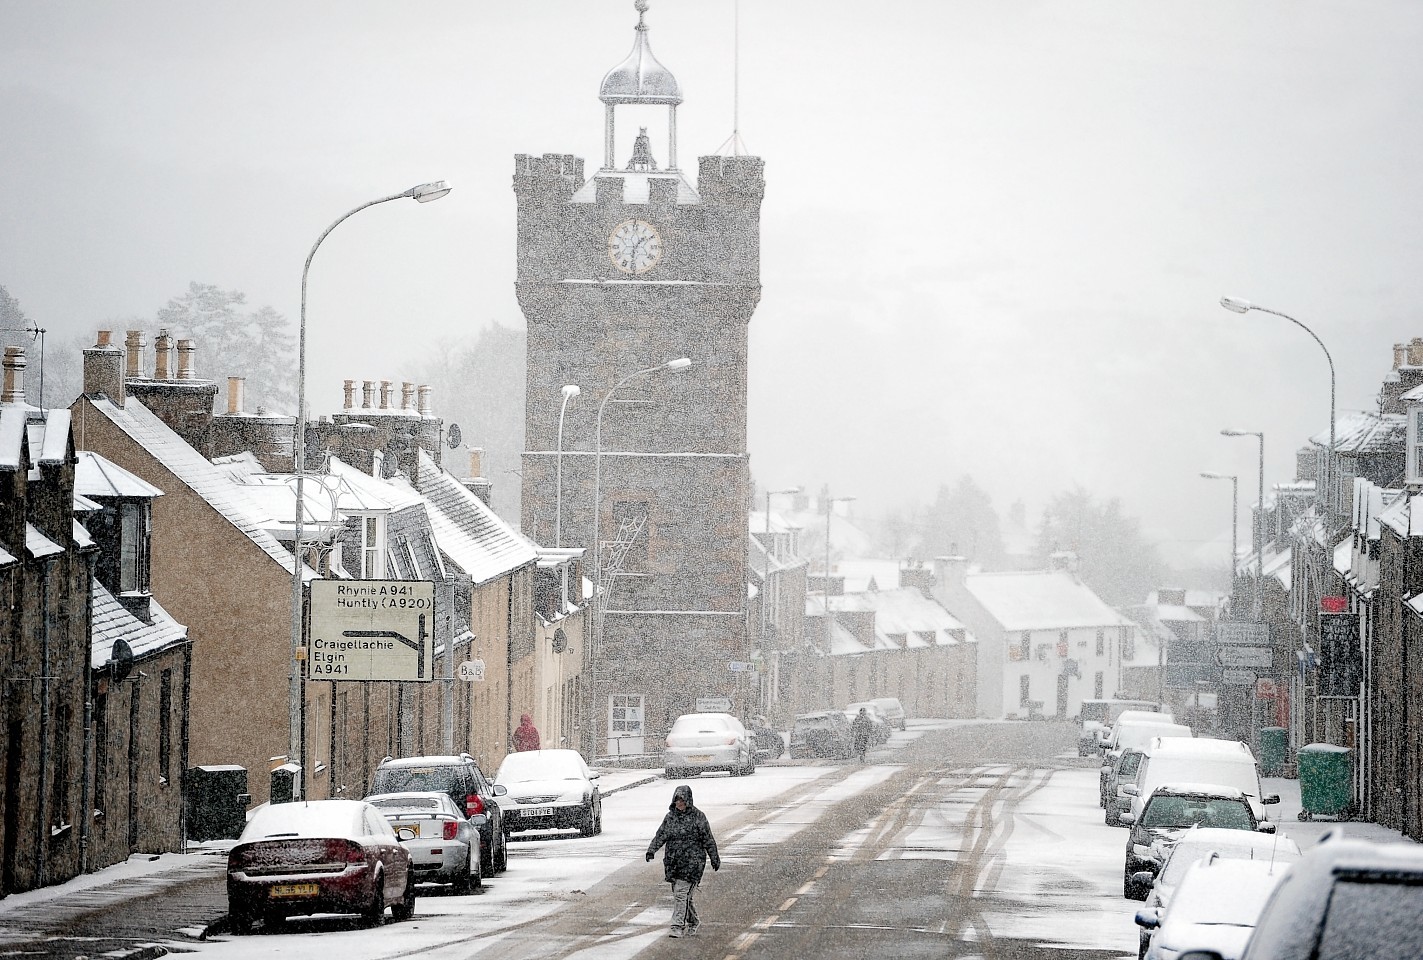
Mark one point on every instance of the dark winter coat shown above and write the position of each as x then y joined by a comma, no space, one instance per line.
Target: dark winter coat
688,838
526,735
862,731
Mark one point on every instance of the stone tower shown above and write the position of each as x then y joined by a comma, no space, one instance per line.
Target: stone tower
620,276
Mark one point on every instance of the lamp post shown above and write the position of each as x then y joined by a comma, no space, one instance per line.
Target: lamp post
1259,520
1237,305
570,390
681,363
829,509
1234,517
422,193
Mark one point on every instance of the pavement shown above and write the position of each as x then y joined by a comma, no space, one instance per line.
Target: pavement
154,904
151,904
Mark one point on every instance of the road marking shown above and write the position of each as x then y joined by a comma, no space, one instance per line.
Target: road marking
790,902
805,888
767,922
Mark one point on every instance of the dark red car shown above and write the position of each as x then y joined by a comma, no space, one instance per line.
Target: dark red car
318,856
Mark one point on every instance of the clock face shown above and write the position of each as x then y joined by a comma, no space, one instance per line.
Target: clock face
634,246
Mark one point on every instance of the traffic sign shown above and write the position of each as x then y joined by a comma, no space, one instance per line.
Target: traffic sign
713,704
1233,632
740,666
372,630
1239,678
1260,657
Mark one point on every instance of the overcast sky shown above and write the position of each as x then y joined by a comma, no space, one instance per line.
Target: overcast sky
994,234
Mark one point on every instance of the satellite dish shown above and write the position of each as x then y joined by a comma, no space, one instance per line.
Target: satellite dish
121,660
560,641
454,437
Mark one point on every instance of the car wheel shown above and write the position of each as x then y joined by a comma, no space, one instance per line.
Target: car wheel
486,852
371,915
503,855
587,826
238,921
598,822
405,909
273,922
1132,890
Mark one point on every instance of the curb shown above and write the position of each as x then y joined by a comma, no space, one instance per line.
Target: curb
145,951
219,926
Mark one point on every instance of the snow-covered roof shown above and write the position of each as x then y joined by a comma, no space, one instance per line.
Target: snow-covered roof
466,530
1041,600
95,476
113,622
49,437
192,469
843,642
44,432
1170,612
905,612
1361,432
38,545
859,573
1278,565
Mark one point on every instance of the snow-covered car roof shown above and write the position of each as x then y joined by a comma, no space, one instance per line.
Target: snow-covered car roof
542,765
309,819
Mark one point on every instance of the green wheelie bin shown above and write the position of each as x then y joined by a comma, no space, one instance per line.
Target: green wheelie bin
1326,781
1274,750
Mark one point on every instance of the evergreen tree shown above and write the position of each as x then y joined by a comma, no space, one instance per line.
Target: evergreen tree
1115,560
234,342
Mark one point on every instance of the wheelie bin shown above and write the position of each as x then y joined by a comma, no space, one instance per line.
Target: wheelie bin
1326,781
1274,749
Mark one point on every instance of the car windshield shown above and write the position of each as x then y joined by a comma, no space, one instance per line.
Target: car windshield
1096,710
814,723
1126,766
423,804
1215,894
1174,812
540,765
1373,918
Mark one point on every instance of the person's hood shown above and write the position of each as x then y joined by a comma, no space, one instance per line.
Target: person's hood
525,719
683,792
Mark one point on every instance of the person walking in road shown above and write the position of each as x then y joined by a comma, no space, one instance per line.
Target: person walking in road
526,735
690,843
861,731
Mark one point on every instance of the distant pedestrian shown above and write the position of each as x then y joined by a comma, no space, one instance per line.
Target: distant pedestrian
690,843
526,735
862,729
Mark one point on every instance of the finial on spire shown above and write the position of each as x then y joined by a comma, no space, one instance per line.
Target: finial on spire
641,7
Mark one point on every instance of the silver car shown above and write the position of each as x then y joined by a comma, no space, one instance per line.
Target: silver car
443,844
708,741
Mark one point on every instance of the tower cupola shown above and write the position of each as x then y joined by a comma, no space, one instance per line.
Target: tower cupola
640,80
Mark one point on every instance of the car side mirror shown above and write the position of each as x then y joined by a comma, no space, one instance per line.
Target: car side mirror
1148,918
1270,798
1127,817
500,790
1144,877
1199,955
1130,790
1266,827
594,775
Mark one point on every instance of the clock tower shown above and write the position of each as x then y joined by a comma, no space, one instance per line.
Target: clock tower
623,277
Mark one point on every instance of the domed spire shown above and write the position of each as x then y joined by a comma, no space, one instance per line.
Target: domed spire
640,78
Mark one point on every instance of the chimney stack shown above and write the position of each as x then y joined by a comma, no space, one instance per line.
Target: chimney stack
185,360
407,396
163,349
236,387
1415,352
14,375
134,342
368,389
424,393
476,461
104,370
348,387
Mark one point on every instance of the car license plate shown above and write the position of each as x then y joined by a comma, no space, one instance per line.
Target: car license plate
536,811
295,890
700,758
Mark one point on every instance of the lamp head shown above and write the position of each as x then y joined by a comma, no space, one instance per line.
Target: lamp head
1216,476
1236,305
570,390
681,363
426,192
787,490
1239,433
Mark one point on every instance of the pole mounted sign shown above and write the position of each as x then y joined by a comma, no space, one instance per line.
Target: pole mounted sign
372,630
1340,659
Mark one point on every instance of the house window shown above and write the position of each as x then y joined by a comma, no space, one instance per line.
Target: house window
1101,642
165,724
133,547
1097,687
1416,453
1025,645
630,534
101,752
1024,689
1042,651
625,716
373,559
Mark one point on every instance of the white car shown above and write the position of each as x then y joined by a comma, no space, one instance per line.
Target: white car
550,790
442,842
708,741
1215,908
892,710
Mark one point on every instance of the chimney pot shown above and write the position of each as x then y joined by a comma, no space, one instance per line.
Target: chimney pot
186,349
15,362
236,387
368,389
348,387
385,394
407,395
476,462
1400,355
163,349
1415,352
103,338
134,342
424,395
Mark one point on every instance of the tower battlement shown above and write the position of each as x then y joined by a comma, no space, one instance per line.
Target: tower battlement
554,175
731,179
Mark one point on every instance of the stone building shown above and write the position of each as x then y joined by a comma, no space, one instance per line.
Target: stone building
619,274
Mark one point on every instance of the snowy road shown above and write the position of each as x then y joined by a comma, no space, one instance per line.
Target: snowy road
955,840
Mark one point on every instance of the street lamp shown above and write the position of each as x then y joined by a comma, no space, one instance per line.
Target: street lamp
681,363
1234,517
1259,520
1237,305
570,390
422,193
829,509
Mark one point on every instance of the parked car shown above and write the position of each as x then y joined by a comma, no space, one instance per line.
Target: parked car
1215,908
1344,899
1199,842
1227,763
1124,769
459,778
318,856
769,743
442,842
1170,811
1134,729
822,734
879,726
1095,719
892,710
550,790
699,742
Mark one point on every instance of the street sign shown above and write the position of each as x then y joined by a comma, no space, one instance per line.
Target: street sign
472,671
372,630
713,705
740,666
1260,657
1239,632
1265,688
1340,659
1239,678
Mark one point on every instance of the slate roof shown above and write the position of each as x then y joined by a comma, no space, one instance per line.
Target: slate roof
1041,600
468,532
194,471
113,621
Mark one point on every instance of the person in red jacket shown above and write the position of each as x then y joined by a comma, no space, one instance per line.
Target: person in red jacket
526,735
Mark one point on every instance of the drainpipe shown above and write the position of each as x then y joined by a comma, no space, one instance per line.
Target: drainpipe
41,827
86,813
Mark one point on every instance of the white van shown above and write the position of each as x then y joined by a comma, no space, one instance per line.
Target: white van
1224,763
1141,742
1112,749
